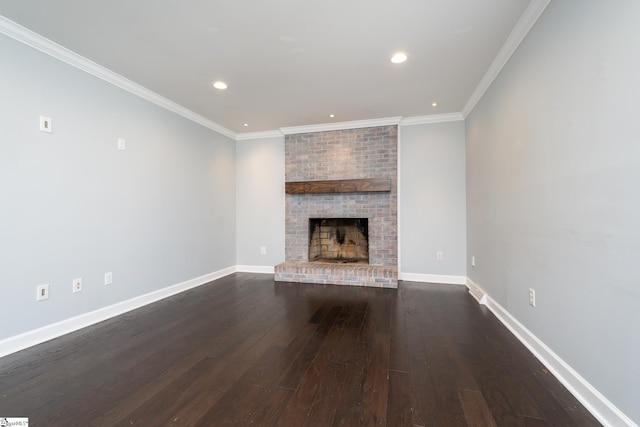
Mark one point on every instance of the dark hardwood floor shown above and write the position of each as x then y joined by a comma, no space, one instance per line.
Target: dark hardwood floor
247,351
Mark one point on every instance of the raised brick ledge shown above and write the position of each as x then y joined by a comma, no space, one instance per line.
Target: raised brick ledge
379,276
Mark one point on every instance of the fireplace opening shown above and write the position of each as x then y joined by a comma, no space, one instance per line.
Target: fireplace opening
339,240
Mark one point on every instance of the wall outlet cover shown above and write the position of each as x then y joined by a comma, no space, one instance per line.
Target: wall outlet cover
77,285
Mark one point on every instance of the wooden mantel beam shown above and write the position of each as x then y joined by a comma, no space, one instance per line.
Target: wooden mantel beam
339,186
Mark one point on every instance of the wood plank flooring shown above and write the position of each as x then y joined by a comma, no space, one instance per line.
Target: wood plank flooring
244,350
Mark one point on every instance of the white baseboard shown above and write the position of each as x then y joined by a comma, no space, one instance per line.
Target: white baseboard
46,333
255,269
601,408
433,278
476,292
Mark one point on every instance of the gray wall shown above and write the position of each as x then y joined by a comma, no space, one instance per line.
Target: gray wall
432,199
72,205
260,201
553,190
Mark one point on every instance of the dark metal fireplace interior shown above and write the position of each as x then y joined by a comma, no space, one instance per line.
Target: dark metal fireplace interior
339,240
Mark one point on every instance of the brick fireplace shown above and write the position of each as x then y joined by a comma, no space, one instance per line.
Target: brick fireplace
360,156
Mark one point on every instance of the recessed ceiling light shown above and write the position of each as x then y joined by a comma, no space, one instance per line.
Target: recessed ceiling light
435,104
332,115
399,58
220,85
245,125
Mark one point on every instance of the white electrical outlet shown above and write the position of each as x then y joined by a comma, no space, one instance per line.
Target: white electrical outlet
108,278
263,250
122,144
532,297
473,261
77,285
42,292
439,256
45,124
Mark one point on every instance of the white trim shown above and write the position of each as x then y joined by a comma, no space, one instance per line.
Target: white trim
434,118
476,292
520,30
263,269
356,124
46,333
400,121
599,406
433,278
399,198
259,135
36,41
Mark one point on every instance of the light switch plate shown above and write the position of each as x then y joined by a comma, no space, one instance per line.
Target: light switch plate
42,292
45,124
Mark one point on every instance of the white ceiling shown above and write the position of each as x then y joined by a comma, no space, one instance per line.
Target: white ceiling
287,62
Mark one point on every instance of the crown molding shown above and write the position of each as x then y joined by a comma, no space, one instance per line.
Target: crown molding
36,41
356,124
406,121
434,118
520,30
258,135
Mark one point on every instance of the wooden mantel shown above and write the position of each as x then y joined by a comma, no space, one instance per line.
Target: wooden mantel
339,186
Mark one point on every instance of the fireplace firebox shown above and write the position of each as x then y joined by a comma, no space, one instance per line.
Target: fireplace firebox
339,240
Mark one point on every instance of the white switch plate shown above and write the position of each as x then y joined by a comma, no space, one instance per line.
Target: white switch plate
122,144
45,124
108,278
77,285
532,297
263,250
439,256
473,261
42,292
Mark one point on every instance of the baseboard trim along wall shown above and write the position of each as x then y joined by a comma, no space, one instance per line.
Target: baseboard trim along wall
605,411
601,408
55,330
255,269
476,292
433,278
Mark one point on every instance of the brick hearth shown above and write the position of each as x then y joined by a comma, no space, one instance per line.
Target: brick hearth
338,274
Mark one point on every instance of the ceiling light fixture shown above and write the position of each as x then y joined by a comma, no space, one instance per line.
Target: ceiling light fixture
399,58
220,85
435,104
332,115
245,125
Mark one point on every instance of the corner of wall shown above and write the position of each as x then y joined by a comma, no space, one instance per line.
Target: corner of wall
599,406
